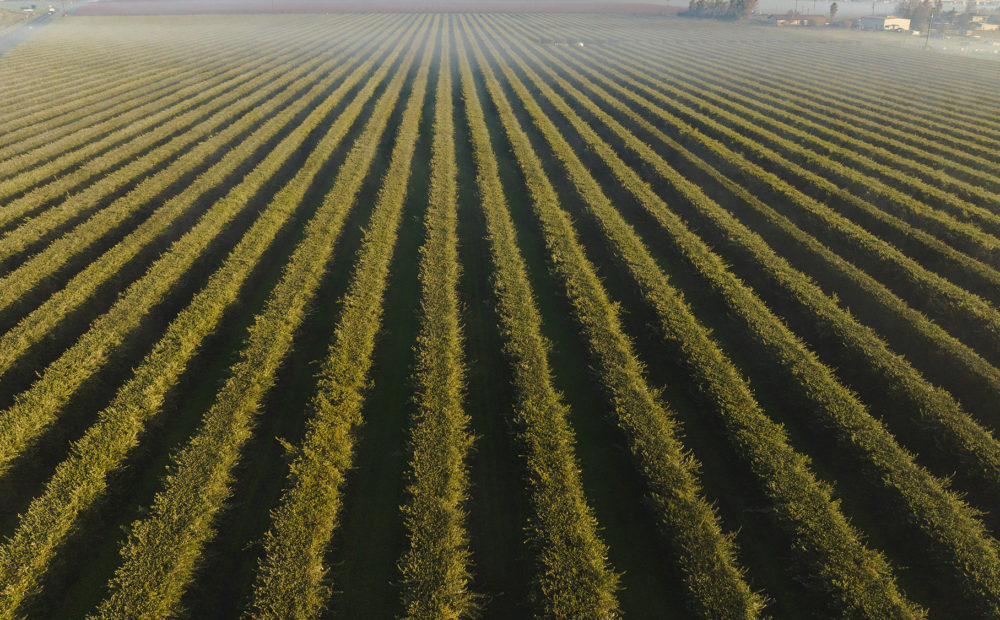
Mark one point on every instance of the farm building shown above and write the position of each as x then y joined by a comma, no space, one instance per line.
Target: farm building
884,23
799,20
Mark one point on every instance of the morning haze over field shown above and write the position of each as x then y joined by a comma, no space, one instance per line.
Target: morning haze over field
511,309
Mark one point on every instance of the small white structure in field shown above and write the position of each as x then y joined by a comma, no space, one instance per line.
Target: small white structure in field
579,43
874,22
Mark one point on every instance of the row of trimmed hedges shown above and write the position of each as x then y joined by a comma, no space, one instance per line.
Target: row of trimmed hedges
81,479
436,568
573,577
960,251
691,526
120,78
150,154
36,408
962,370
60,163
38,156
918,399
254,106
785,478
959,539
290,577
971,318
163,550
965,191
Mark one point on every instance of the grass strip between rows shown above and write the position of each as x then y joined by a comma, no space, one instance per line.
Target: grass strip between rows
145,153
980,322
36,408
959,250
77,157
122,91
111,74
973,373
574,578
960,540
436,568
921,171
254,112
706,555
975,446
82,478
290,577
162,551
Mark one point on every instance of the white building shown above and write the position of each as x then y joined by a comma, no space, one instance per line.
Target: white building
873,22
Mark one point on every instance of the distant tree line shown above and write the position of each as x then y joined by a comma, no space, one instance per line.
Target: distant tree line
720,9
921,13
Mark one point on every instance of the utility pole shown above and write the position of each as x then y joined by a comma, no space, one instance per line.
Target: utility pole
930,24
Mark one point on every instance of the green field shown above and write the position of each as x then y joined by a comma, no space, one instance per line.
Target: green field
509,315
10,17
